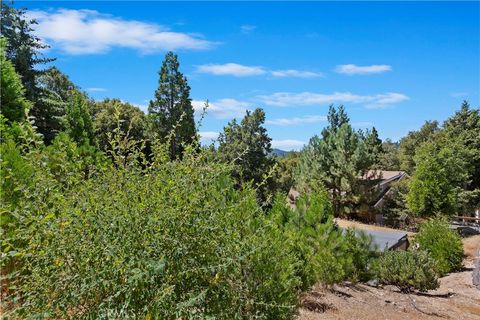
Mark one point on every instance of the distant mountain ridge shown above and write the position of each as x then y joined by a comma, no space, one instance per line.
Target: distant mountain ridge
279,152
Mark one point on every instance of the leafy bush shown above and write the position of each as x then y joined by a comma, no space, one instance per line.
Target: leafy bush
171,240
312,237
361,253
327,254
408,270
443,244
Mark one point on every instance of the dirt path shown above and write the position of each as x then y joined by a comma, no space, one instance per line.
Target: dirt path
456,298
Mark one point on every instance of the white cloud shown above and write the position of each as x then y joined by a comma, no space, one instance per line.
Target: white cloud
239,70
288,144
284,99
223,108
296,120
231,69
247,28
295,74
459,94
208,136
351,69
362,124
96,89
89,32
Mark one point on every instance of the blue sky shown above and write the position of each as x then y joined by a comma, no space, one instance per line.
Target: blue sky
393,65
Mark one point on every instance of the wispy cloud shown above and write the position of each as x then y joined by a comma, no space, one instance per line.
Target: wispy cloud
223,108
208,136
459,94
231,69
362,124
288,144
295,73
296,120
247,28
284,99
239,70
90,32
96,89
352,69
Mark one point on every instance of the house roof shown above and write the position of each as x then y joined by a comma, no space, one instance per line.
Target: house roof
385,239
383,175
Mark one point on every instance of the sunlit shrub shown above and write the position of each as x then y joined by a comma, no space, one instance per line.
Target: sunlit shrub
408,270
442,243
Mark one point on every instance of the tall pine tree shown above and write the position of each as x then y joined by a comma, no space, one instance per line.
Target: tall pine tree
172,109
248,146
337,160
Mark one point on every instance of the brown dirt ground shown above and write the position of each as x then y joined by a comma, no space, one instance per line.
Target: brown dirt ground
456,298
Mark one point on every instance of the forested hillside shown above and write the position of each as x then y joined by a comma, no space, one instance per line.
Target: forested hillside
111,212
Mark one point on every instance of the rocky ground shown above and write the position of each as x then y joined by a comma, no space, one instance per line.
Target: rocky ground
456,298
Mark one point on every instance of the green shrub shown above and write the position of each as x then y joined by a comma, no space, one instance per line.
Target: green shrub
170,240
408,270
442,243
361,253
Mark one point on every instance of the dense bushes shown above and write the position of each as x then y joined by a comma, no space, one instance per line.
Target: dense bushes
172,240
443,244
408,270
327,254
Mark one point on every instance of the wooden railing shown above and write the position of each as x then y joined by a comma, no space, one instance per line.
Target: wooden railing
464,219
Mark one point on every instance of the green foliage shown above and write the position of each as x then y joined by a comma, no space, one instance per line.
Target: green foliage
133,241
326,253
284,178
313,238
172,107
374,147
14,106
361,253
247,146
389,159
24,49
443,244
112,114
435,184
408,270
394,207
338,159
413,140
55,92
78,122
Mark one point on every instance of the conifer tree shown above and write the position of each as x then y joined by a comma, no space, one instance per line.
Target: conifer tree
337,160
55,91
14,105
374,147
23,48
172,109
248,146
78,122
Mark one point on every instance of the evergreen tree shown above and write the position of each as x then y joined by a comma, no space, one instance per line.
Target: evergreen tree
56,90
374,147
24,48
410,144
465,125
14,105
337,159
389,159
248,146
172,107
78,122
